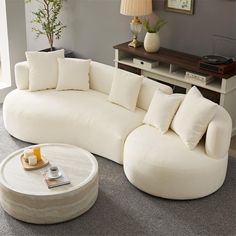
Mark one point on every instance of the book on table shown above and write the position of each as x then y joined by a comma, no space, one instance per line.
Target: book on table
199,78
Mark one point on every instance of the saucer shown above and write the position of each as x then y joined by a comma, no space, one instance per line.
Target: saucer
49,176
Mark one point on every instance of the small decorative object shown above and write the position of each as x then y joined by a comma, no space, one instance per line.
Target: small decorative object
27,153
181,6
32,160
152,38
46,20
135,8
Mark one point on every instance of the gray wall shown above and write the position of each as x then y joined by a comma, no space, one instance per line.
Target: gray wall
94,26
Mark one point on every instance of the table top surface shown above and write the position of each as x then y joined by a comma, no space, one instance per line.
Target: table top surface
78,164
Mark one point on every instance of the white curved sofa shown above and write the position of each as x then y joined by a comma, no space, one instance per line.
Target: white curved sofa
158,164
83,118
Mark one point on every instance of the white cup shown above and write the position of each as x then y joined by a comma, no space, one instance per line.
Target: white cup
54,171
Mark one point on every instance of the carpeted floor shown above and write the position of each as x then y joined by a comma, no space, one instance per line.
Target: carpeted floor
121,209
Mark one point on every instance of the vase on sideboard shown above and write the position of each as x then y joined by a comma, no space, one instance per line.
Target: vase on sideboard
152,42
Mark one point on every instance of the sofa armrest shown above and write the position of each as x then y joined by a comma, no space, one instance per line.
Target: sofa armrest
218,134
22,75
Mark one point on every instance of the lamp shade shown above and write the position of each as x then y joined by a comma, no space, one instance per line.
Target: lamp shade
136,7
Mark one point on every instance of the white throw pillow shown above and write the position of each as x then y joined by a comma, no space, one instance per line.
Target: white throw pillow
125,89
162,110
192,118
73,74
43,69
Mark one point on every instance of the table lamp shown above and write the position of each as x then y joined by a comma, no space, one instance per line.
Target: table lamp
135,8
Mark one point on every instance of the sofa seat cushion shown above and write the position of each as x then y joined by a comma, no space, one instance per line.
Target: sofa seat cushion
83,118
163,166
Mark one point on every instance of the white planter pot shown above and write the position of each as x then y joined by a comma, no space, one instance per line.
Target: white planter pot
152,42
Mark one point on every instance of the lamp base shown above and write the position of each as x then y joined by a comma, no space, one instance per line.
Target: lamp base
136,27
134,43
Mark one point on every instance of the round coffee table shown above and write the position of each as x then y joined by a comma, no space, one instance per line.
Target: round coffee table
25,195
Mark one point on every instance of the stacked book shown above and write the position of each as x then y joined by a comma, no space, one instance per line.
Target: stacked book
198,78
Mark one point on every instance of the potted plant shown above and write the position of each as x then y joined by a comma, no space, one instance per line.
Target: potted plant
46,20
152,38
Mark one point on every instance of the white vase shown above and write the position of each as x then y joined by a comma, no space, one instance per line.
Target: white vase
152,42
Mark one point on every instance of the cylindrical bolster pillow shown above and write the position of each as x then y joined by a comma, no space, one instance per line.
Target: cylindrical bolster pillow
22,75
218,134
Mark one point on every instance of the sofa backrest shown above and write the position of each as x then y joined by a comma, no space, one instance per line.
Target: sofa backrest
147,91
101,77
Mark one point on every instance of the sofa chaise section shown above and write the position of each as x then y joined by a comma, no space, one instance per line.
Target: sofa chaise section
163,166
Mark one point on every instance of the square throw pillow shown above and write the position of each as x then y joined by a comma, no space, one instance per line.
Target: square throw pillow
125,89
43,69
73,74
162,110
192,118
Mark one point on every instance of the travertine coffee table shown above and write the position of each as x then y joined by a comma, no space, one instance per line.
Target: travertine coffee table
25,195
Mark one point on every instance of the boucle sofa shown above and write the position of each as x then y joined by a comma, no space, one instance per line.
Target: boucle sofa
158,164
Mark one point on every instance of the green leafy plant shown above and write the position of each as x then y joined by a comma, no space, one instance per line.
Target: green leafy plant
154,28
46,20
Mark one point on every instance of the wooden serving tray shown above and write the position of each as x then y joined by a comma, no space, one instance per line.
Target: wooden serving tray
39,165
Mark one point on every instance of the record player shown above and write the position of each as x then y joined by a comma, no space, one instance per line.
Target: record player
217,64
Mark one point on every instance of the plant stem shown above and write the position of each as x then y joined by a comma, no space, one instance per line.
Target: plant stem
49,35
